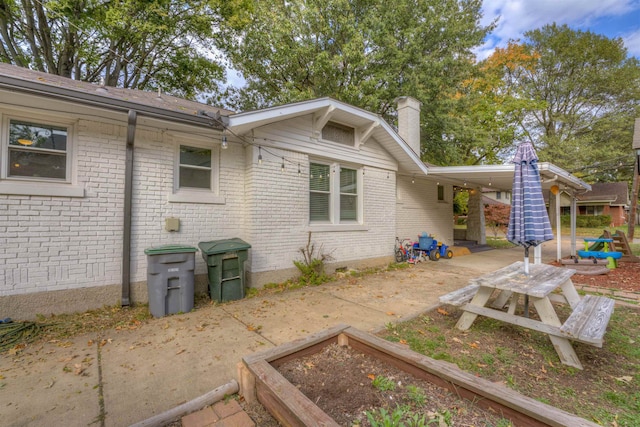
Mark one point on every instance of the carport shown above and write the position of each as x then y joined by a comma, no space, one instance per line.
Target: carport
555,181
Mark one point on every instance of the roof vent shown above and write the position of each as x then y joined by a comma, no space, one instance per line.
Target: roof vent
102,87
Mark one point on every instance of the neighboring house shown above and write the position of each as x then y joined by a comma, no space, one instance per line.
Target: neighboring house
608,198
490,195
90,174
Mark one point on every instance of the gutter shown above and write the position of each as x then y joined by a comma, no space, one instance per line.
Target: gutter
128,195
105,102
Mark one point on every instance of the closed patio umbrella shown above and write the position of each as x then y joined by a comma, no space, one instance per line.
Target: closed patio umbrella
529,222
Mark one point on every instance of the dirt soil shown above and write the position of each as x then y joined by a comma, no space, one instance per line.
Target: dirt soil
342,382
625,278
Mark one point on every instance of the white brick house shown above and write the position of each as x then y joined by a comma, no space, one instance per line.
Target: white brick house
101,169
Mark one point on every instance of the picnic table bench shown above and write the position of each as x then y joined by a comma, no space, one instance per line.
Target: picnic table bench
587,322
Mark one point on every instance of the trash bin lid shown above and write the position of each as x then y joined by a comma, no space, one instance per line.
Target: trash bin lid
222,246
169,249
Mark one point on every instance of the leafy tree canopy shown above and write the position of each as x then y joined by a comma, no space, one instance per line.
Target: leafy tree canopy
154,44
363,52
574,95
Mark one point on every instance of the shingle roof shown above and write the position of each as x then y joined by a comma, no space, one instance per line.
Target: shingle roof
133,97
615,193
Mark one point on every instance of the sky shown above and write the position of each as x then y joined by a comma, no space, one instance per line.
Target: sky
611,18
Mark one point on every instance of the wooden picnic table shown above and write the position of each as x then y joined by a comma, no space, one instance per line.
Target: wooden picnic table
587,322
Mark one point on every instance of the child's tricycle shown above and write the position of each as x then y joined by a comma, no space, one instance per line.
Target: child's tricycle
432,248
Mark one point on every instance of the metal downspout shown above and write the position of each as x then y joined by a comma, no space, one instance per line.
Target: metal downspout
128,192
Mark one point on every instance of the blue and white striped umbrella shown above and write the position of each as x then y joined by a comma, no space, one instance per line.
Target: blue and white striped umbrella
529,222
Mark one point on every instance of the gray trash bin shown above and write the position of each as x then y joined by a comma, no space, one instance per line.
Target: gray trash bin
170,279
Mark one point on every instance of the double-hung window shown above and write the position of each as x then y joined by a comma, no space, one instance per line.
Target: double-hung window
36,157
196,173
334,194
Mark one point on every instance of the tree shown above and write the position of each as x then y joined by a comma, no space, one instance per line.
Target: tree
580,94
497,217
363,52
156,44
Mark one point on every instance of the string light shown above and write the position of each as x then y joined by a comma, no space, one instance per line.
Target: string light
259,155
225,145
299,173
387,175
413,179
489,181
282,167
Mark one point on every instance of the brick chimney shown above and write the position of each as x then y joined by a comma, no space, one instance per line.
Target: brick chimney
409,121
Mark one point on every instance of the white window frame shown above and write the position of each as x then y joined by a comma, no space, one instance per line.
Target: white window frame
334,223
37,186
196,195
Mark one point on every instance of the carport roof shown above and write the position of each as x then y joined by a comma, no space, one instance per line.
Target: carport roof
500,177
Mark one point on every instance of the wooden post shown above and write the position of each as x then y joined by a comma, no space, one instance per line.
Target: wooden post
634,199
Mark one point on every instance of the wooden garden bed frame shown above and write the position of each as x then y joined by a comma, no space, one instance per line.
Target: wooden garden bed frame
260,380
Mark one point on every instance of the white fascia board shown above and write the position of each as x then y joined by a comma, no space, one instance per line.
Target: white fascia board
564,176
243,122
413,157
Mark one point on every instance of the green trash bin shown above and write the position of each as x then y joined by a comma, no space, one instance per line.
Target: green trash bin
225,267
170,279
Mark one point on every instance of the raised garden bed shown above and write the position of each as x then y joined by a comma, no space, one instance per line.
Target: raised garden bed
260,381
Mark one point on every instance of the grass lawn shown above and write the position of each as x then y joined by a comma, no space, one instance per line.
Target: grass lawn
607,391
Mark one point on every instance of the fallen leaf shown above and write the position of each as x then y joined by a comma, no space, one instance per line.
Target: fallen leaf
90,343
403,342
544,371
371,377
180,351
473,345
78,369
625,379
443,311
456,339
481,365
390,313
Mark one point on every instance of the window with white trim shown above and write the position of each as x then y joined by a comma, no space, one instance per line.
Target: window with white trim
195,167
36,156
196,172
334,194
37,150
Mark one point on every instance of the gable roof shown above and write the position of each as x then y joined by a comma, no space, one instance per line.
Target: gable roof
325,109
157,105
611,193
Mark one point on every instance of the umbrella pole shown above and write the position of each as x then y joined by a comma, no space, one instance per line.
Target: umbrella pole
526,271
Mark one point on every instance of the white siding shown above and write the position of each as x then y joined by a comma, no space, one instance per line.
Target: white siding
420,211
54,243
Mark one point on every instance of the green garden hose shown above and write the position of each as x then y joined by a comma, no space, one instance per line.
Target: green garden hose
12,334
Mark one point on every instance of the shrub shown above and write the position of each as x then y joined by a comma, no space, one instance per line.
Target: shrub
312,265
587,221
